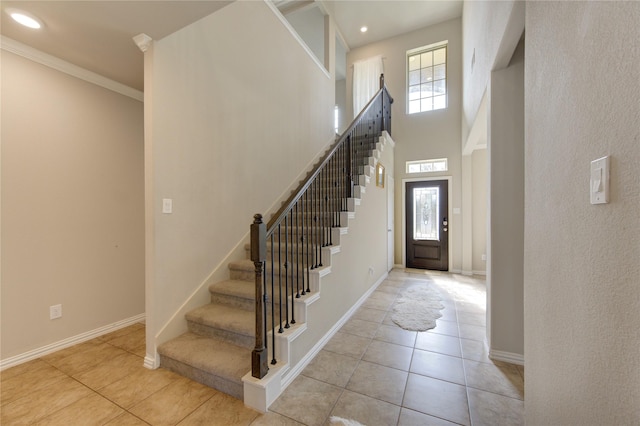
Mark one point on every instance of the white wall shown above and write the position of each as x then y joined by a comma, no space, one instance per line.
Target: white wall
479,210
236,116
72,206
505,151
582,268
363,247
427,135
490,34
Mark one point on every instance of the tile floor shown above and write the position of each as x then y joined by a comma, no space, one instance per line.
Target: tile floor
371,371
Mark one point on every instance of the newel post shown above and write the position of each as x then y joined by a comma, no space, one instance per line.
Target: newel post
259,357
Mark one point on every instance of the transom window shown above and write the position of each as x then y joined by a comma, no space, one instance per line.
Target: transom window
427,78
426,166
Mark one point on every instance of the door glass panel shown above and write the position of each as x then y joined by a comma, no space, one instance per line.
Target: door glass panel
425,214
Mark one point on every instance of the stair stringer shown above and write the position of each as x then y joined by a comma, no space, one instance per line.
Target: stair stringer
260,393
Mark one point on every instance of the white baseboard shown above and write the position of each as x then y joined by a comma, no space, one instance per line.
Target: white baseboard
509,357
260,393
480,273
301,365
56,346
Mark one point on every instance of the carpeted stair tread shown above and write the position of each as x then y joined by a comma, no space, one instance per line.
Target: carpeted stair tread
236,288
242,265
224,317
214,356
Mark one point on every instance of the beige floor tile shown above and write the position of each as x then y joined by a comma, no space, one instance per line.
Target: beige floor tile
473,332
221,410
383,305
521,370
389,355
366,410
55,357
348,344
367,314
395,334
474,350
440,343
27,367
415,418
110,371
502,379
137,386
86,359
388,287
360,328
331,368
130,341
89,411
31,380
378,382
438,366
172,403
274,419
40,403
122,332
488,409
126,419
448,328
382,296
473,318
437,398
307,400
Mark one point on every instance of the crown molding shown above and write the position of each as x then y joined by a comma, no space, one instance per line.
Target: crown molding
58,64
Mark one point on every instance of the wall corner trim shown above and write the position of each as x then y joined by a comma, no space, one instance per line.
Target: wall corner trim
143,41
71,341
58,64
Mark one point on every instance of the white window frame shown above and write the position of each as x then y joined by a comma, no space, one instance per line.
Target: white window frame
432,161
418,51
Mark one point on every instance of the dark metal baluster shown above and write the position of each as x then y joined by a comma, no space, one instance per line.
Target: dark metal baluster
280,329
286,271
298,244
273,302
304,241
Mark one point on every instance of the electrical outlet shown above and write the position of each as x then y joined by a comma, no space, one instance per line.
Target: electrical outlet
55,311
484,257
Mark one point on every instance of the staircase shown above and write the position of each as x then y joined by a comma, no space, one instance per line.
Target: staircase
269,291
216,351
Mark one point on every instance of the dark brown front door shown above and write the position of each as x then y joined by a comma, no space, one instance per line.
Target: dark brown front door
427,225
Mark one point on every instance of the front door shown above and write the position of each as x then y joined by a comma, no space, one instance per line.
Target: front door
427,225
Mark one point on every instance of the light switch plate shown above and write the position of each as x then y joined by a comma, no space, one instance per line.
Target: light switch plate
599,181
167,205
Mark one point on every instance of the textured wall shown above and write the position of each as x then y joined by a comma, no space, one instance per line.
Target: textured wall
72,206
235,117
434,134
582,261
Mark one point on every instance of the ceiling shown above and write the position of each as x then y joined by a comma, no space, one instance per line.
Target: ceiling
97,35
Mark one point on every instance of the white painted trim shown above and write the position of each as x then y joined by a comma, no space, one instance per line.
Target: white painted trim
58,64
404,214
508,357
71,341
297,369
152,362
479,273
260,393
295,35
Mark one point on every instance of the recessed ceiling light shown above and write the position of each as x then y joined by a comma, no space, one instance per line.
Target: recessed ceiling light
25,18
363,29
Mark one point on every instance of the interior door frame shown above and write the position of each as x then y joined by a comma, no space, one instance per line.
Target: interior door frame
449,180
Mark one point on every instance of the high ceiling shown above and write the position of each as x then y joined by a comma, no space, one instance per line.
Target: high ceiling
97,35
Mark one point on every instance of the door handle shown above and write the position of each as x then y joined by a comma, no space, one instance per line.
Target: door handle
445,222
